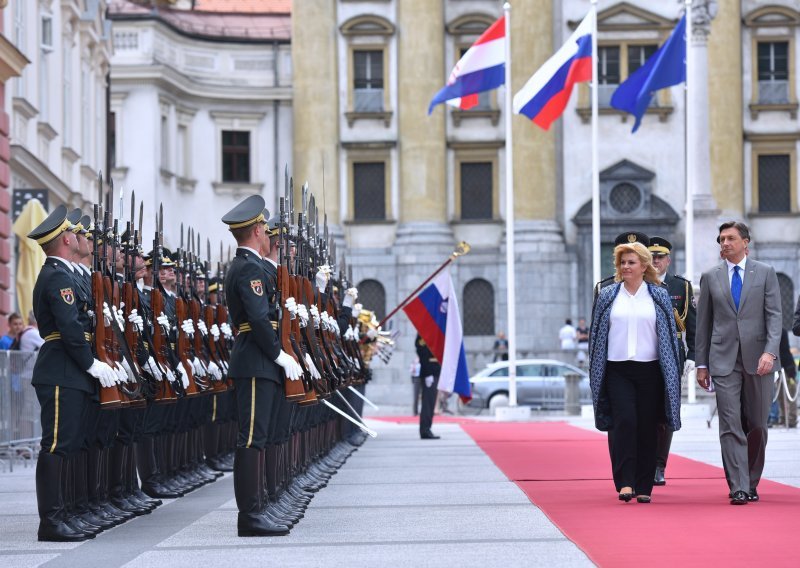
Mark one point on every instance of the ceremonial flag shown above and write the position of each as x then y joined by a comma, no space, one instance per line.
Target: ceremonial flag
434,312
665,68
482,68
545,95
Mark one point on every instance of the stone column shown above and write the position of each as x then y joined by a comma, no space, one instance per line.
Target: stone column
421,138
315,108
706,213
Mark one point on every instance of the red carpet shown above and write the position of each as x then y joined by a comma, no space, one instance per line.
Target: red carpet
566,472
415,419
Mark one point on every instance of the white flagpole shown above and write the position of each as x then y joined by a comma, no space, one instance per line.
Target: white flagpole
596,276
510,280
690,182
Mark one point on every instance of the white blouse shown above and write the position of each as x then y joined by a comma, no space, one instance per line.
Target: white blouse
632,332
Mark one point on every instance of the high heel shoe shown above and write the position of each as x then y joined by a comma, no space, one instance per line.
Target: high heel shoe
643,499
626,495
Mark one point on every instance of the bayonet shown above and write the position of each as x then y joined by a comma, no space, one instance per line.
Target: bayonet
141,216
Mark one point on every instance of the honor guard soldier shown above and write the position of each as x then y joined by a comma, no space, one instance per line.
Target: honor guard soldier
65,375
682,296
257,363
429,375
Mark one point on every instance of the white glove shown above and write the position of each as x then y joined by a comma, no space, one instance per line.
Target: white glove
122,375
349,333
214,371
215,332
226,330
118,315
197,367
170,375
107,317
201,325
152,367
372,333
103,373
688,367
311,368
291,368
350,297
184,375
357,310
429,381
188,327
302,313
323,274
315,314
136,320
356,334
129,378
291,305
163,321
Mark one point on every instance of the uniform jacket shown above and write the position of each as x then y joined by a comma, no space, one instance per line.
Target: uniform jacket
722,330
249,289
61,308
668,355
428,364
682,296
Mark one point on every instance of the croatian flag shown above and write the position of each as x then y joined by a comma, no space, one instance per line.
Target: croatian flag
545,95
434,312
481,69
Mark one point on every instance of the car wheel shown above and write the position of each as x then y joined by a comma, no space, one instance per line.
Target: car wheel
498,400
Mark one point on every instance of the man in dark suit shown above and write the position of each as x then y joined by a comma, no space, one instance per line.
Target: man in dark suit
683,304
429,379
257,364
737,341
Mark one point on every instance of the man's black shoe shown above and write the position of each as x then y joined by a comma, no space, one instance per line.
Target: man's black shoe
739,498
752,496
429,436
659,477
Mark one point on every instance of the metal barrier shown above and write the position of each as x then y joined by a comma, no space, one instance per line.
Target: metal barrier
20,430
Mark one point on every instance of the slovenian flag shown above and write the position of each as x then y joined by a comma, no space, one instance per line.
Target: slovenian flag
545,95
481,69
434,312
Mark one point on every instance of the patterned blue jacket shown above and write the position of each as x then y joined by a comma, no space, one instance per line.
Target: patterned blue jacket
668,355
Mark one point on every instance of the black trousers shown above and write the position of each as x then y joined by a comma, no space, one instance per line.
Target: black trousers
255,400
636,393
64,414
428,404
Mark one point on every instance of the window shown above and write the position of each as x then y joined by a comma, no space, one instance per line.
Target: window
369,191
476,190
44,84
774,183
368,81
625,198
637,55
773,72
112,139
372,296
165,143
67,83
47,32
608,73
786,287
530,371
478,307
235,156
181,151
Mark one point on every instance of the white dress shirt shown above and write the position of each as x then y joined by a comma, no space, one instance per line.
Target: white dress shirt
741,265
632,331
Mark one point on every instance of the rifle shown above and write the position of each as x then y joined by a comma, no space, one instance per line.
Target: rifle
168,391
183,345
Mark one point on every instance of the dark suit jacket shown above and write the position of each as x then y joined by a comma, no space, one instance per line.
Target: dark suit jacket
722,331
249,288
428,364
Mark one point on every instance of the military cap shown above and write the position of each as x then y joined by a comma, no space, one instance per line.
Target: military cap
632,237
273,225
166,258
86,223
200,274
55,224
247,213
148,258
213,285
659,246
75,217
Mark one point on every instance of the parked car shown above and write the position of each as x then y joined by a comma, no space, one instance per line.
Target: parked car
540,384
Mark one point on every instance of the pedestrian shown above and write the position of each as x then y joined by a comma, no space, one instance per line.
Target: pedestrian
15,326
500,348
633,362
27,341
737,342
582,337
415,366
568,336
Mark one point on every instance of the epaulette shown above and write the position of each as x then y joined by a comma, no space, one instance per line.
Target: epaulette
681,277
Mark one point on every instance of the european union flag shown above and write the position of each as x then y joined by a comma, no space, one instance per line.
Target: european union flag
666,67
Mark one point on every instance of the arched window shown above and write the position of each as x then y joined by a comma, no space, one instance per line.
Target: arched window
787,299
478,308
372,296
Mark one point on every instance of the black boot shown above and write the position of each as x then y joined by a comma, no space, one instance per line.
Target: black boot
50,501
248,487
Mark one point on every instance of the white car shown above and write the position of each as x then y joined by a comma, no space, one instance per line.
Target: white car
540,384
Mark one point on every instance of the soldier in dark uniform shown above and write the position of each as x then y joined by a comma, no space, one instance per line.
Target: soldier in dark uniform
64,375
256,363
429,376
682,295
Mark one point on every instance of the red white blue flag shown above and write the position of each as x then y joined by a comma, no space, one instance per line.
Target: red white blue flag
434,312
546,94
482,68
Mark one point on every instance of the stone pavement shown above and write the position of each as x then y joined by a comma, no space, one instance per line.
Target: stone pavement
398,501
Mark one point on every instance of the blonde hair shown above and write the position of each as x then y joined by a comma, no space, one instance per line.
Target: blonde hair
650,273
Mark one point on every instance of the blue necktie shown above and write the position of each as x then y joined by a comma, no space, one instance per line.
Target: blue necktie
736,286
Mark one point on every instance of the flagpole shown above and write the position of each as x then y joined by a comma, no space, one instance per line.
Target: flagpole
690,182
510,280
595,160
